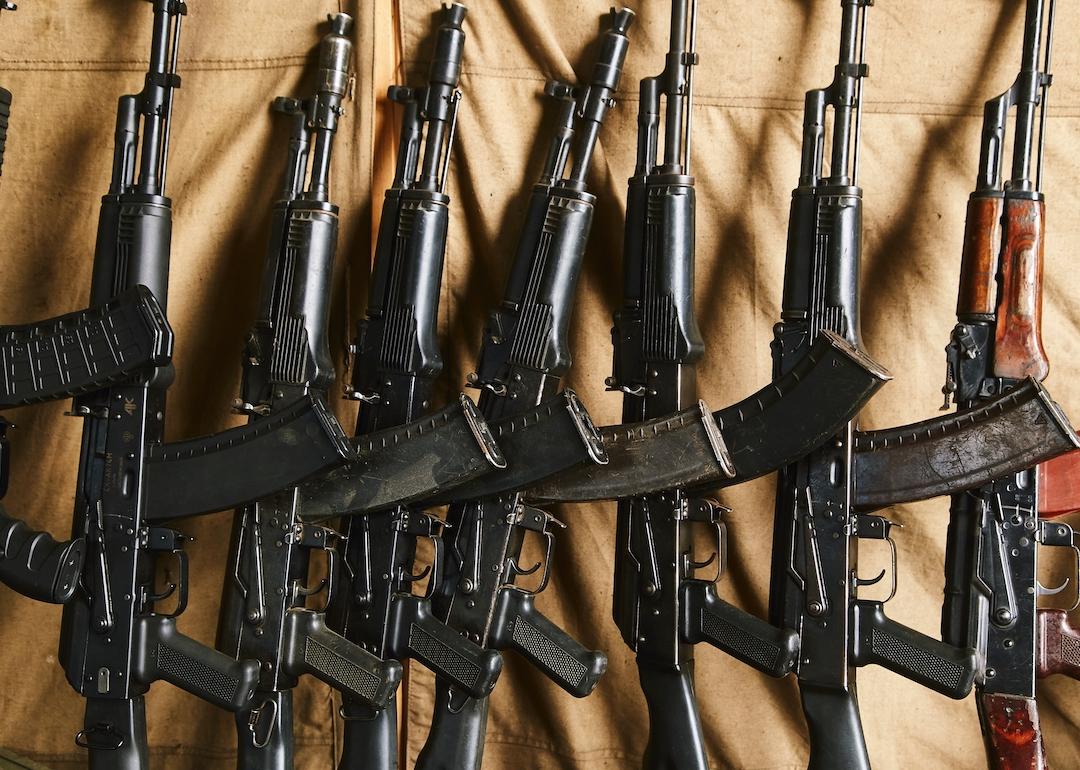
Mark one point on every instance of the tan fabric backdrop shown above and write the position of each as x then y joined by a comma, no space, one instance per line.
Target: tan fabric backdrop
932,63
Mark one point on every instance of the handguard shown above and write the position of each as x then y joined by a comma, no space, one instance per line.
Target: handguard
555,436
37,566
1059,485
960,451
213,473
405,463
772,428
84,351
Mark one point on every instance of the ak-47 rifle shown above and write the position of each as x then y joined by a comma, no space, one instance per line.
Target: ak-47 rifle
995,532
657,346
114,642
524,355
55,359
287,357
394,369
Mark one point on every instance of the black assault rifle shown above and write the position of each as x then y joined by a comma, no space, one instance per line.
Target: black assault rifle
287,358
396,363
114,641
50,360
524,355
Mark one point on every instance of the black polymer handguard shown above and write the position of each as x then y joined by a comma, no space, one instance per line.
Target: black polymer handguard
36,565
83,351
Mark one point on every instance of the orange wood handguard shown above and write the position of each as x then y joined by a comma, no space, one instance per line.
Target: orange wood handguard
1059,485
978,268
1010,726
1058,645
1018,349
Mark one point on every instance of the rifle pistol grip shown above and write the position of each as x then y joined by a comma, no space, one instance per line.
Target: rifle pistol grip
312,648
930,662
518,624
37,566
418,634
708,618
165,653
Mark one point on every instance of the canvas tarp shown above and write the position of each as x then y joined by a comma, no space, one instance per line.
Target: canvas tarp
932,66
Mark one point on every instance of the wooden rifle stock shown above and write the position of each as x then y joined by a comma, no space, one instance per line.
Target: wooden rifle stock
1018,349
1011,732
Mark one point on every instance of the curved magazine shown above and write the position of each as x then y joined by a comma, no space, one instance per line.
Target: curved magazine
214,473
84,351
555,436
406,463
780,423
955,452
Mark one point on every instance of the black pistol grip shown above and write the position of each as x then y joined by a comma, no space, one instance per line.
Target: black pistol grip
519,625
452,656
708,618
932,663
314,649
36,565
165,653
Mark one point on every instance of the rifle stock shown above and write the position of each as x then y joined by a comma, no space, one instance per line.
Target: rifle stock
1011,732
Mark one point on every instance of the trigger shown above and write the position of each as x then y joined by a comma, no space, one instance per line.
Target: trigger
872,581
1044,591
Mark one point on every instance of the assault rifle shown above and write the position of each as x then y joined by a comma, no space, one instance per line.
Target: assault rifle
995,532
522,360
54,359
287,357
114,640
823,500
394,368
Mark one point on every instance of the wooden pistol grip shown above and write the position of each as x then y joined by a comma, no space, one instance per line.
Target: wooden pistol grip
1059,485
978,267
1011,732
1018,348
1059,645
